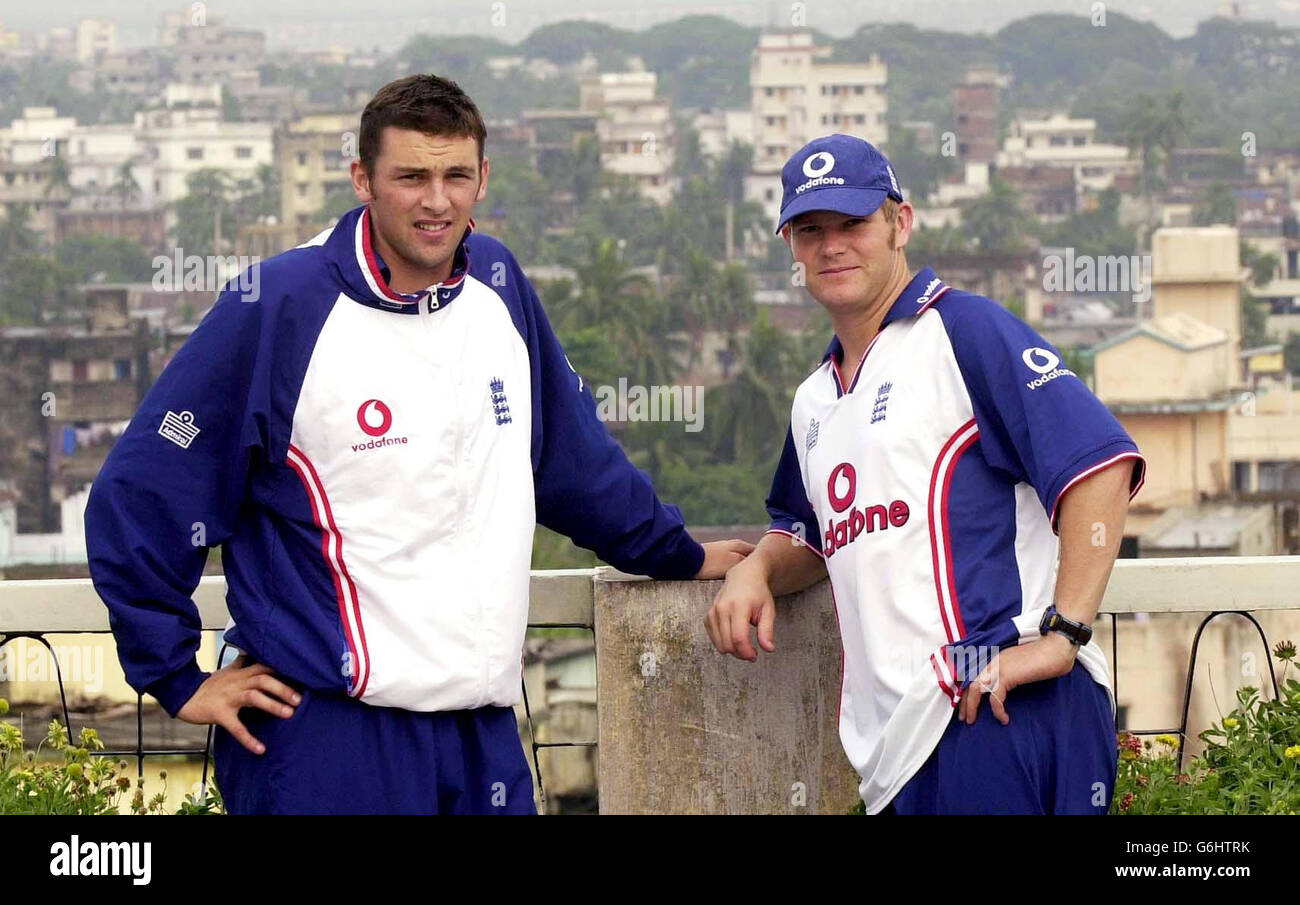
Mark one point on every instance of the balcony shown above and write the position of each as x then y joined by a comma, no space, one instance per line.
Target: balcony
682,729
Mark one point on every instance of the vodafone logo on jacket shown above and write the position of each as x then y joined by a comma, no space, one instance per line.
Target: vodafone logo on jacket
381,413
375,418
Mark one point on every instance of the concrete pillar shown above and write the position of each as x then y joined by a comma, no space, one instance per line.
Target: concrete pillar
684,729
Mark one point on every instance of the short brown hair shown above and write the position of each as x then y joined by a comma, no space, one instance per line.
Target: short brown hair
426,103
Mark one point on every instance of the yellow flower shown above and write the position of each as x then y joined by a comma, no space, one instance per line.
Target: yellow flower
1293,752
1169,740
1229,723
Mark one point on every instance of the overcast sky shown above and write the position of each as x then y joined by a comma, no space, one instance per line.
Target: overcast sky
319,23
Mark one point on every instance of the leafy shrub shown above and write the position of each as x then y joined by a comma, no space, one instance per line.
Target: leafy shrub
68,779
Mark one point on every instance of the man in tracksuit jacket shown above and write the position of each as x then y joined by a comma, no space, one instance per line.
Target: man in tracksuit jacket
370,436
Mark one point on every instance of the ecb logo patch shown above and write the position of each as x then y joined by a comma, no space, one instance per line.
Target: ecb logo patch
882,401
811,440
500,407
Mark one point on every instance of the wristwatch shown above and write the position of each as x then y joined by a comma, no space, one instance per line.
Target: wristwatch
1078,633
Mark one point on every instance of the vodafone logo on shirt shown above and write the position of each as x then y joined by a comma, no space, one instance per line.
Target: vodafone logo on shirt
1046,364
842,491
375,418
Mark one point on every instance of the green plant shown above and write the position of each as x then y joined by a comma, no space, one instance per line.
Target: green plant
58,777
1251,763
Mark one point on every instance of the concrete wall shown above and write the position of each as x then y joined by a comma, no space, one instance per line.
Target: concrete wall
684,729
1186,455
1143,368
1265,427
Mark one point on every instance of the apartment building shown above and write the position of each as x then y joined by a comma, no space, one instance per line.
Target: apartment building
634,128
798,94
310,160
1061,141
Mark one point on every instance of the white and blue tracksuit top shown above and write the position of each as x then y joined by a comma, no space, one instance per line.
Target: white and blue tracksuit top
372,465
929,481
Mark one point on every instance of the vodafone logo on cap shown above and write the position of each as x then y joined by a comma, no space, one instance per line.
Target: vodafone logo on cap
374,418
815,168
818,164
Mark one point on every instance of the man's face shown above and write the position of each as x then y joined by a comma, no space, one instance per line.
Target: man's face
421,194
849,261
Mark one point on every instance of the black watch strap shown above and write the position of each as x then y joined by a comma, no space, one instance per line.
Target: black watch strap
1077,632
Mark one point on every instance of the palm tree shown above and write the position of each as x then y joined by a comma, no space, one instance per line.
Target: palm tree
17,237
1153,129
607,289
749,415
59,175
125,188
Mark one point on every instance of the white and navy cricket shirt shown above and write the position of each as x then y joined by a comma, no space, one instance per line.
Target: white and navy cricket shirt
928,477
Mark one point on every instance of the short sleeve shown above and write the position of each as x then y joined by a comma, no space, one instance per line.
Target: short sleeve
787,501
1038,421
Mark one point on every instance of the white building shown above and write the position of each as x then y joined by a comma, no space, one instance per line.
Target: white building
97,155
37,135
634,128
65,546
719,129
95,37
180,142
799,95
1064,142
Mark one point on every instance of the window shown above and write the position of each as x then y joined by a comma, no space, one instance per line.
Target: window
302,190
1241,477
243,152
860,119
1080,141
859,89
302,158
121,369
1057,141
194,153
768,92
80,370
770,194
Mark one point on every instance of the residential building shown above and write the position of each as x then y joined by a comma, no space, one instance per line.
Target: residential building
181,142
64,388
634,128
975,115
311,161
216,54
95,38
798,94
1060,141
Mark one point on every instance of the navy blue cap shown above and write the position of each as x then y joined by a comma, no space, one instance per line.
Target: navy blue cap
841,173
